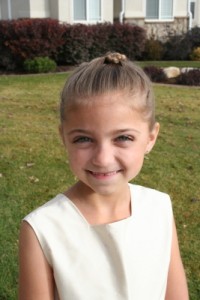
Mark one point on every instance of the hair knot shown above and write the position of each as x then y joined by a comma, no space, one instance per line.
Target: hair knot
115,58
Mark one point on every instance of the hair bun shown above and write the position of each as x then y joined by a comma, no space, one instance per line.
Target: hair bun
115,58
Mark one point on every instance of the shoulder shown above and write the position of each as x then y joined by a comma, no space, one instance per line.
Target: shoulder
148,192
150,199
152,210
52,217
49,221
51,208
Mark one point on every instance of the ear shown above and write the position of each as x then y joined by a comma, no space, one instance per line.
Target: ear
153,137
60,128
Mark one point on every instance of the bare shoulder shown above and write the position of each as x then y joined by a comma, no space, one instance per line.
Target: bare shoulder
176,284
35,274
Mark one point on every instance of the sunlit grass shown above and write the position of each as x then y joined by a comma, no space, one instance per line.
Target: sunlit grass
34,168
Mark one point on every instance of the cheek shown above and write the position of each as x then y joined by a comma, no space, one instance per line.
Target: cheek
137,151
77,157
135,164
135,158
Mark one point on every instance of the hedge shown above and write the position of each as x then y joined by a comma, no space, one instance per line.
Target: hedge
66,44
27,39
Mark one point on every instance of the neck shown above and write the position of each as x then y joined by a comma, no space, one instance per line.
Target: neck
100,209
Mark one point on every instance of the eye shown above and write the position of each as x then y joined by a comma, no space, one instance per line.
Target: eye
81,140
125,138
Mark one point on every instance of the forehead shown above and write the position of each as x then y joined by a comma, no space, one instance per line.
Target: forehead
103,112
111,101
110,98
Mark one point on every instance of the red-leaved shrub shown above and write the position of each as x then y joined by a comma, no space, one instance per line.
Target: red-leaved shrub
28,38
191,78
155,74
65,44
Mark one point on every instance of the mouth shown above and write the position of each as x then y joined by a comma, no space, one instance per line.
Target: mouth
104,175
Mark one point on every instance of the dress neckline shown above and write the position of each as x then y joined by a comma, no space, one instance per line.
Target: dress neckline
114,224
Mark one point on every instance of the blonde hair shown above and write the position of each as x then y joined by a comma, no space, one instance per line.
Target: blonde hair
110,73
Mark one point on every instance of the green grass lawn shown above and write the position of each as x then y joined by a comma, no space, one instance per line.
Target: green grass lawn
164,64
34,168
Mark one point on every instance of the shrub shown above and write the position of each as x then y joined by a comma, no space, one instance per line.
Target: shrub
77,41
177,48
39,65
193,37
100,39
153,50
66,44
7,61
28,38
85,42
124,38
195,55
191,78
155,74
127,39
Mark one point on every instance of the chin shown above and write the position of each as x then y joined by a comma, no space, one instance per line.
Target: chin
106,191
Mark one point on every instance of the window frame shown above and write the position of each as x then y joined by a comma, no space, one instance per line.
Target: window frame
88,20
160,18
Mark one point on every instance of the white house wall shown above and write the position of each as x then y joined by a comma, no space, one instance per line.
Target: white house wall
180,8
39,9
65,13
135,8
65,10
138,8
107,11
134,12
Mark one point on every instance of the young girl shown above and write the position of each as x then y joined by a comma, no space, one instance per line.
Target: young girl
104,238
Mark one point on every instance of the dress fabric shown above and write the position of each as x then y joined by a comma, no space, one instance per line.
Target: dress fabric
124,260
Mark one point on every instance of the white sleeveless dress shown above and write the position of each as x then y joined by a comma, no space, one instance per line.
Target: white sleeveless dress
125,260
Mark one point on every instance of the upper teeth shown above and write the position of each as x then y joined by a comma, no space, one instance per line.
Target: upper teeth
108,173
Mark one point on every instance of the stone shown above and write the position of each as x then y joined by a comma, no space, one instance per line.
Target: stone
172,72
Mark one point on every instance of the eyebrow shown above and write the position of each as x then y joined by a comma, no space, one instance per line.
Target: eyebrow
127,129
78,131
85,131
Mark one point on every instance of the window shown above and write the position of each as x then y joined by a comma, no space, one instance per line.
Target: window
159,9
87,10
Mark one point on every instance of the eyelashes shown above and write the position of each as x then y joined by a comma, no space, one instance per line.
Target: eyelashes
118,139
81,140
125,138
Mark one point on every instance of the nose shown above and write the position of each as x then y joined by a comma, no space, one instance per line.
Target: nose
103,155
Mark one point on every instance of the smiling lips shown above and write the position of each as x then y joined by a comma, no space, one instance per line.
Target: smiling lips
105,175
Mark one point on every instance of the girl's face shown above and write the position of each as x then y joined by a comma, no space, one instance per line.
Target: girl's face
106,142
